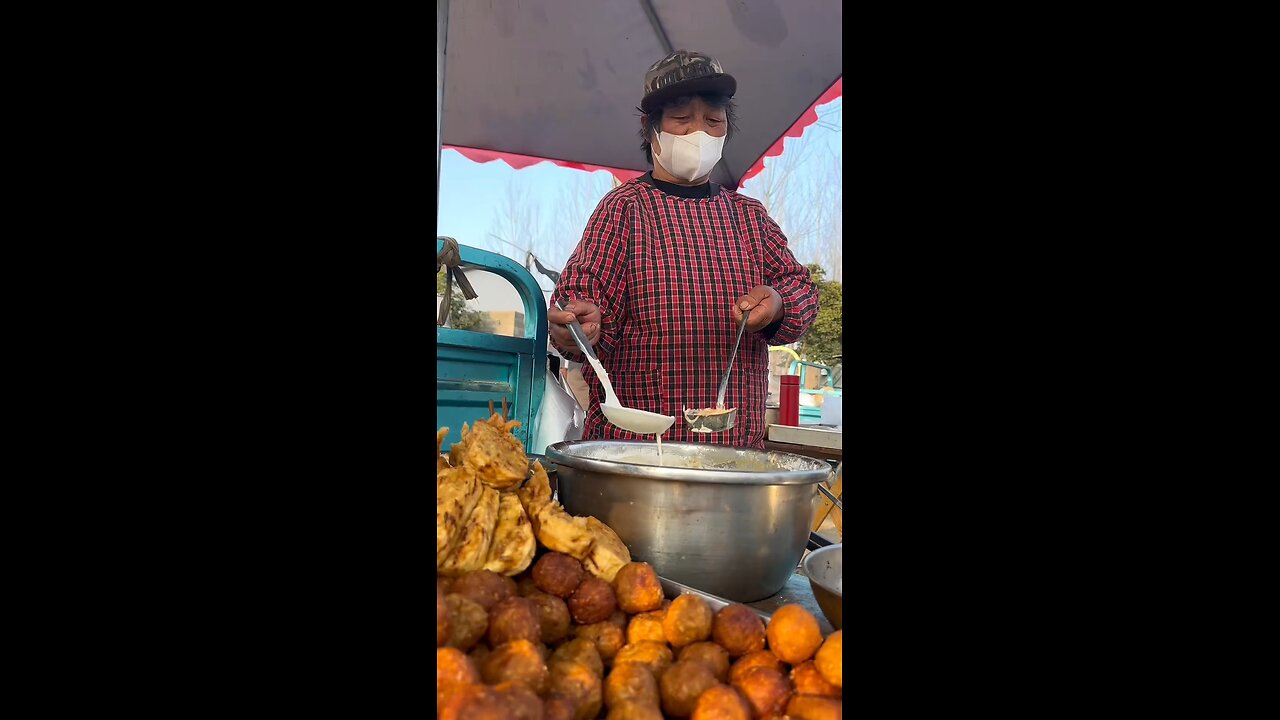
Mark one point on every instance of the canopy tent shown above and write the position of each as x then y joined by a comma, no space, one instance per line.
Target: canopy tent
529,80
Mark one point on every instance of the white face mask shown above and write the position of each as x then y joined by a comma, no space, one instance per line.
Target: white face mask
688,157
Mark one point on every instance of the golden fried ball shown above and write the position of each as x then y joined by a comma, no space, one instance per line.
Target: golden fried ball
634,710
637,588
479,653
581,685
523,703
654,655
581,650
557,707
808,681
738,629
516,661
468,622
711,655
630,681
761,658
646,626
794,635
475,702
766,689
814,707
688,621
721,702
558,574
484,587
682,684
442,617
592,602
514,618
553,616
607,637
828,659
453,671
618,618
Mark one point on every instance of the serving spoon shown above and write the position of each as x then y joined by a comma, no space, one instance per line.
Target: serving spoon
641,422
719,419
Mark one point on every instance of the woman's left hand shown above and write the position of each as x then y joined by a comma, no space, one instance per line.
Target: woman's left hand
765,305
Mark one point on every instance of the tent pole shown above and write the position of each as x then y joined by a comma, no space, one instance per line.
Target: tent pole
442,31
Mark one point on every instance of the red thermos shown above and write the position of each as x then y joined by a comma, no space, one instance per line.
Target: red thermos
789,400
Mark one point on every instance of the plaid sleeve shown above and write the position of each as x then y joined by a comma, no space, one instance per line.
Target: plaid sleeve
595,271
784,273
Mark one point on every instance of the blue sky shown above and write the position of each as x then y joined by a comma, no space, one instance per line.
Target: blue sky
475,198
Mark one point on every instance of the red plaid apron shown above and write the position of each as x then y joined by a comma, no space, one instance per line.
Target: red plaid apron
665,272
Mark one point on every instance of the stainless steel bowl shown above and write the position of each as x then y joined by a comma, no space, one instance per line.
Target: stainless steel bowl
825,570
729,521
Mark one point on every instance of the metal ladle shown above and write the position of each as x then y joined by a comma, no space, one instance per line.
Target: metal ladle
719,419
640,422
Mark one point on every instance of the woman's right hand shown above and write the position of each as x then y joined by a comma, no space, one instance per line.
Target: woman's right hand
588,316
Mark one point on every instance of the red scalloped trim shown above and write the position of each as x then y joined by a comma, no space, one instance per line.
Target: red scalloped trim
809,117
520,162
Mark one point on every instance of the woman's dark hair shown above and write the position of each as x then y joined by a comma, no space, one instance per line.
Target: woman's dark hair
653,120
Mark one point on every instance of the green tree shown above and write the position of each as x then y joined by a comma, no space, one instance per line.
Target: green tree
823,341
462,317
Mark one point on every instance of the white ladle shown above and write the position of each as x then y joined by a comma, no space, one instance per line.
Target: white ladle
640,422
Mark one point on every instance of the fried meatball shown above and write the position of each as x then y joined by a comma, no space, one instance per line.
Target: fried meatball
738,629
592,602
515,618
485,587
581,650
646,626
634,710
553,616
618,618
523,703
516,661
468,622
688,621
681,685
721,703
637,588
475,702
581,685
557,707
442,617
631,681
453,670
828,659
558,574
525,585
607,637
444,584
656,656
711,655
808,681
814,707
761,658
766,689
794,635
479,653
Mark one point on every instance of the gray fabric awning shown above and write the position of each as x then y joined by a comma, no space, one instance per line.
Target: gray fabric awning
561,79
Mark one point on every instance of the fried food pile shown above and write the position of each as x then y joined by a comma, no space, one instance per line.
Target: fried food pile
558,643
488,516
480,523
543,615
